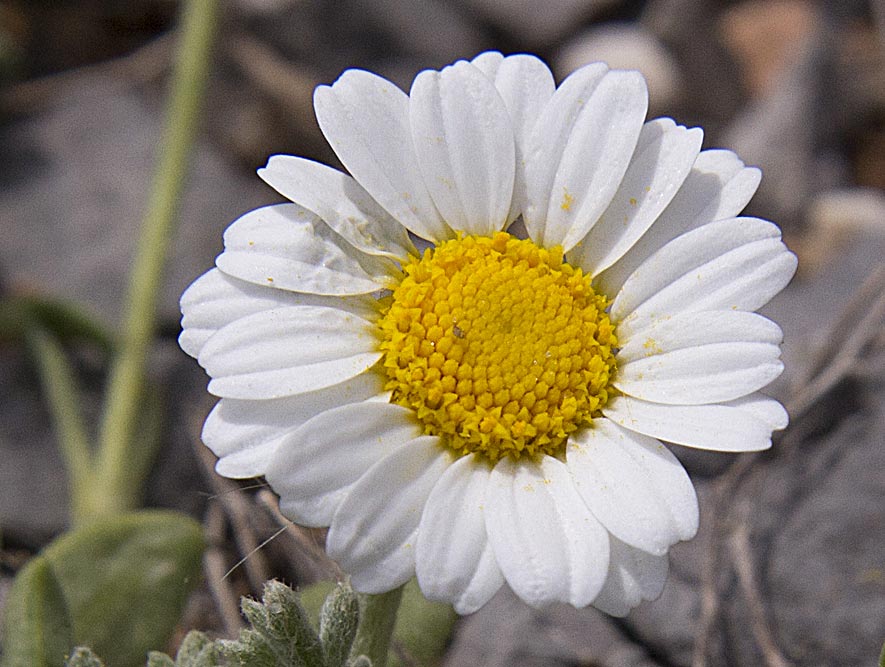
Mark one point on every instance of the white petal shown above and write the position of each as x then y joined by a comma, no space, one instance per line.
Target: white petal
633,576
718,187
765,409
547,142
214,300
465,147
549,546
341,202
288,351
488,63
633,484
579,150
700,357
526,86
703,374
683,330
665,153
245,434
374,531
736,264
366,121
313,470
454,561
736,426
288,247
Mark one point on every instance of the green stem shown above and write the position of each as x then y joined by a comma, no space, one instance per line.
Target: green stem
126,383
61,396
377,618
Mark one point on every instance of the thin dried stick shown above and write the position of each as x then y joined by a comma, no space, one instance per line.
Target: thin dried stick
214,565
285,83
236,505
144,64
743,560
834,362
709,589
323,567
834,345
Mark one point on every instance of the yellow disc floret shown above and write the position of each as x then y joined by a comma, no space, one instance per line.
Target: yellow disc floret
498,345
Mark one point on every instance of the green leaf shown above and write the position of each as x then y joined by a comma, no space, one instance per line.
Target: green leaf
339,619
66,321
126,579
83,657
36,626
197,650
158,659
422,627
281,633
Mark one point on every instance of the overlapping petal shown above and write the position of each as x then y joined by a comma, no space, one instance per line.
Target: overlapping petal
579,150
741,425
526,85
454,560
214,300
314,468
365,119
706,357
374,531
245,434
341,202
664,155
548,544
702,374
734,264
288,247
633,484
465,146
718,186
633,576
288,351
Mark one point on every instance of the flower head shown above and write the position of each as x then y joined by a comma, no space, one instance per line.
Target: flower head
491,409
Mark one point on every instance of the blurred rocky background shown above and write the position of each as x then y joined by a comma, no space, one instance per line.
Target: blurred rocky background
789,565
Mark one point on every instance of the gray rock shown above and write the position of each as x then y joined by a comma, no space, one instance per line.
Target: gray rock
73,201
711,89
626,46
538,24
826,573
779,133
508,633
434,31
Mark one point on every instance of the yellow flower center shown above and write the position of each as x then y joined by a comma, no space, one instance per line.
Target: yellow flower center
499,346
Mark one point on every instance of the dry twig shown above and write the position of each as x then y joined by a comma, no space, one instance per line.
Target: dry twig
287,84
315,563
840,358
214,563
742,557
144,64
237,506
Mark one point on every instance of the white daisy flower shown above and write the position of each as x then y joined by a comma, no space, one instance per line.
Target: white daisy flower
492,409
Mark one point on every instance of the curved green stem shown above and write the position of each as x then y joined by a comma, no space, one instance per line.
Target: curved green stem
377,619
125,391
